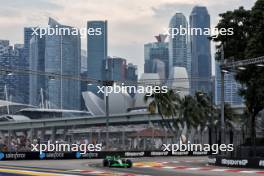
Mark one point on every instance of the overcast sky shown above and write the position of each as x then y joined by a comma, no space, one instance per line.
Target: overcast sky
131,23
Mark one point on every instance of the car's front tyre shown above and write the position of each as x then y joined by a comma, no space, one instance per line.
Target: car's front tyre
129,163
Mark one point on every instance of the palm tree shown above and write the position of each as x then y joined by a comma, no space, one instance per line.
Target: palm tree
195,110
189,111
206,109
165,104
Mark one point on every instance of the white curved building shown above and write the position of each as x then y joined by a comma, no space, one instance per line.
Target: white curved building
118,103
93,103
122,102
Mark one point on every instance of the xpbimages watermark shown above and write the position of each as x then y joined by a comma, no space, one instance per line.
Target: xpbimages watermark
60,31
64,147
213,32
182,147
173,32
148,90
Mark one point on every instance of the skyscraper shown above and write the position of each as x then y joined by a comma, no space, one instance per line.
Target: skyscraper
201,51
96,48
23,79
178,43
27,37
131,73
37,63
131,76
96,51
156,66
231,88
9,82
84,61
114,69
63,56
24,63
4,46
157,52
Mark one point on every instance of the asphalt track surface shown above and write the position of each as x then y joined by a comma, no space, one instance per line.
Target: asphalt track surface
154,166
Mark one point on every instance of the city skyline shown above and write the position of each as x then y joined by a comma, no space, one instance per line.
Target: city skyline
127,31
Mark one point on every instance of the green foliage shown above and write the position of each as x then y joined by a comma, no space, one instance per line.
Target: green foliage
247,42
192,110
163,103
234,45
229,115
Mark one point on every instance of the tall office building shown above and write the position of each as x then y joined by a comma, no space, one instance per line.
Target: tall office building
96,51
114,68
9,82
156,66
131,73
14,58
231,88
28,31
157,57
63,56
178,43
23,63
4,46
201,51
84,61
37,86
24,59
84,76
189,58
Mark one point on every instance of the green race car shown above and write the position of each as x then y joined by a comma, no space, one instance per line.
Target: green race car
116,161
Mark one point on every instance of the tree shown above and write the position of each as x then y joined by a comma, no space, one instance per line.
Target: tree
190,113
206,108
172,108
230,119
165,104
247,42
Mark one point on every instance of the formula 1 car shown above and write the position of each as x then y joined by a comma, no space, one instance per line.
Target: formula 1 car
116,161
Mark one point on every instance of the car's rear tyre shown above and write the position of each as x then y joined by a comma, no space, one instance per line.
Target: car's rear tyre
129,163
106,163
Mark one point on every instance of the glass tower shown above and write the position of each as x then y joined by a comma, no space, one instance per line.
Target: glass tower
63,56
157,52
200,51
231,88
178,43
96,51
116,69
36,63
9,82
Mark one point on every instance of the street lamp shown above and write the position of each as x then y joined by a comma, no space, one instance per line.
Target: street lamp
222,97
242,68
106,96
51,78
9,73
224,71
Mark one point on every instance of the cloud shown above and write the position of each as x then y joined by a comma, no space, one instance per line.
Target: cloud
131,23
30,4
169,9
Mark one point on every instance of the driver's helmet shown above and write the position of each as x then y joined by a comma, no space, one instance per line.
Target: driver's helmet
117,157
